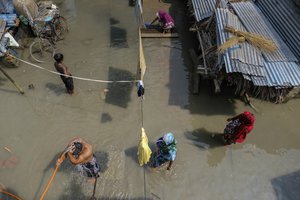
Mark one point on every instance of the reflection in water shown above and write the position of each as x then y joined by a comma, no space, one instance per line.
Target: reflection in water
212,142
119,93
118,37
106,117
287,186
58,89
113,21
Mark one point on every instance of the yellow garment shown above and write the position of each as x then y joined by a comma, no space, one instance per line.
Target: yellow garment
144,151
142,63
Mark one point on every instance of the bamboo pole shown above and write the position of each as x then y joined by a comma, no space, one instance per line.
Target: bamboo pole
51,179
10,194
202,51
12,80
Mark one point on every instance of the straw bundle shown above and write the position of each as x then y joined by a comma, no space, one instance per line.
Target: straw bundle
230,43
260,42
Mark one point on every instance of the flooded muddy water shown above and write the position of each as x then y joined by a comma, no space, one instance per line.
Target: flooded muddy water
103,44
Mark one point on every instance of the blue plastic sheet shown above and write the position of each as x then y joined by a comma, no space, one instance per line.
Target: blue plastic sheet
6,6
9,18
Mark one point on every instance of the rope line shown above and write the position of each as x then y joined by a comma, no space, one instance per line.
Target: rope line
142,121
145,194
142,113
74,77
10,194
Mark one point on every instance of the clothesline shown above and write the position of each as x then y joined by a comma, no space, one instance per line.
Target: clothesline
74,77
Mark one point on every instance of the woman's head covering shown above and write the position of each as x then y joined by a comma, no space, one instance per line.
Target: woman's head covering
160,14
168,138
247,118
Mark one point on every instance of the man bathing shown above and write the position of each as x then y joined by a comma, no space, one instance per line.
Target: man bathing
81,155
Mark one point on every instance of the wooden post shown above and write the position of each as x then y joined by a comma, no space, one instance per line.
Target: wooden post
217,86
209,21
94,190
202,51
195,74
247,100
13,82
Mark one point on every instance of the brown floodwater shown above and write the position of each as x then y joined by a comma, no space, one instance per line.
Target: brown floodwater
103,44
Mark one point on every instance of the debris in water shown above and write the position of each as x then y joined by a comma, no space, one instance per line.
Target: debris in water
103,94
7,149
201,144
31,86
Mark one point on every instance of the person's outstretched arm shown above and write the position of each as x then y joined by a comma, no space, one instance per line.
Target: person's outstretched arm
170,165
233,118
156,18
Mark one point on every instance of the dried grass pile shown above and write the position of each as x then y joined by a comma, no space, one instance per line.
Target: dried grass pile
262,43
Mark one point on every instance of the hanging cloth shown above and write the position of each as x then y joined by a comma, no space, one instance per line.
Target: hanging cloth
144,151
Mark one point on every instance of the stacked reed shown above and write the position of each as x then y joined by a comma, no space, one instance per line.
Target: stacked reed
260,42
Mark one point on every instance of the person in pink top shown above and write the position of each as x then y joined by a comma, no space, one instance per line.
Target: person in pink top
167,22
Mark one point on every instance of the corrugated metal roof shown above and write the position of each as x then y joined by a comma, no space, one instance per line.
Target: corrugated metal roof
248,60
221,16
203,8
282,74
284,16
255,22
259,80
243,58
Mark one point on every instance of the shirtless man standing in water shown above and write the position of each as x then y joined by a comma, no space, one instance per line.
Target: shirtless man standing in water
63,69
81,155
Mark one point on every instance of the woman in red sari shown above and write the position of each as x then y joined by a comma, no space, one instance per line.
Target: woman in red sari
238,128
